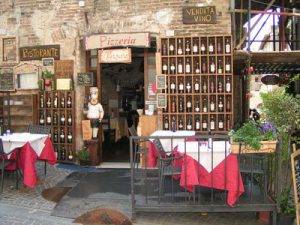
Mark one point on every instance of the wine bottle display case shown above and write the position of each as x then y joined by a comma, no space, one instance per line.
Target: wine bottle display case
57,109
199,85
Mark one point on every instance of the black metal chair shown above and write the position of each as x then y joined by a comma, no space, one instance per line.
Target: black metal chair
6,162
166,164
138,149
39,129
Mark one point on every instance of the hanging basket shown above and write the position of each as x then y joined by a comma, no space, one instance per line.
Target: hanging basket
266,147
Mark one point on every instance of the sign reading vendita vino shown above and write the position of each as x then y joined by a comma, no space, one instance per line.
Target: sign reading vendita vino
199,15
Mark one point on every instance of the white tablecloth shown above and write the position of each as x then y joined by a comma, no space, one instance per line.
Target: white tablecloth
17,140
208,159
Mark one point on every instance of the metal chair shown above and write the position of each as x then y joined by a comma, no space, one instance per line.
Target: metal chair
39,129
137,145
166,164
6,162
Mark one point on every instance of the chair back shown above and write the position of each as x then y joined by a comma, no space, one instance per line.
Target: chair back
38,129
159,147
132,131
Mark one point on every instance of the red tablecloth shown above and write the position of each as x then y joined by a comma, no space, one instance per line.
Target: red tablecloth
28,158
194,174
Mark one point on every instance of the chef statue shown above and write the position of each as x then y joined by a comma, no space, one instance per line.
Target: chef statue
95,111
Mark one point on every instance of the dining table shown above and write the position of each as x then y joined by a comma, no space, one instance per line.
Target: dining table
32,147
207,163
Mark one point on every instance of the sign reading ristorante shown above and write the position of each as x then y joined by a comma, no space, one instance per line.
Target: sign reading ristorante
199,15
39,52
98,41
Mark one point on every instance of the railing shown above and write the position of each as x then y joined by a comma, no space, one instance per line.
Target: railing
222,181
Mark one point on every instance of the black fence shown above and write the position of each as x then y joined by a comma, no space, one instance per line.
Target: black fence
199,174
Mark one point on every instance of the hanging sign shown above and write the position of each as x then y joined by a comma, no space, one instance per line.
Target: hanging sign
161,101
117,40
85,79
199,15
115,56
160,81
39,52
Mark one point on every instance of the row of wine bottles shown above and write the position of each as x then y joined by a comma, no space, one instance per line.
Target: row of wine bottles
181,104
55,119
205,85
213,123
56,102
65,153
195,45
187,65
62,136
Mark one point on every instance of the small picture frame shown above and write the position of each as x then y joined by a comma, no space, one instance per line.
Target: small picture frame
161,101
9,51
160,82
48,62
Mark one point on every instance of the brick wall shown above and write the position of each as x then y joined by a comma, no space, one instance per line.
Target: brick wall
41,22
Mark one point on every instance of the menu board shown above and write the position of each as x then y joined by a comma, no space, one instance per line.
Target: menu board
85,79
295,158
161,101
86,130
64,68
160,81
7,79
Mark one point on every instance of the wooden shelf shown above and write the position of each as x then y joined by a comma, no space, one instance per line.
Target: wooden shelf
205,62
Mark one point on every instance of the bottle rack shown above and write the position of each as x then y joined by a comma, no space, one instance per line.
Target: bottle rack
49,106
199,83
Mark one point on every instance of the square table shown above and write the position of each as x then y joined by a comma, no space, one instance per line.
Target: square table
33,147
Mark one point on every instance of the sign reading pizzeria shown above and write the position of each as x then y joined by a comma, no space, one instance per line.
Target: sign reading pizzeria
115,56
199,15
117,40
39,52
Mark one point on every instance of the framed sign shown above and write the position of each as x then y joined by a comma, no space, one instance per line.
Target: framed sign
295,162
160,81
27,76
39,52
115,56
48,61
199,15
9,51
85,79
64,68
161,101
7,82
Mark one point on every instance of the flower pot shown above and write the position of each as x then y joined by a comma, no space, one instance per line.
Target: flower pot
266,147
84,162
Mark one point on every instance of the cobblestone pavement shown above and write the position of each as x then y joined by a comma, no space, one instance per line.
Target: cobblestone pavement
32,209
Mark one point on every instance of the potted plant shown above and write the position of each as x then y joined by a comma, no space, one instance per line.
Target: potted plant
254,137
48,77
83,156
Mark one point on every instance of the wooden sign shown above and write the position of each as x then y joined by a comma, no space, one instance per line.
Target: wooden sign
9,51
199,15
7,79
115,56
161,101
295,159
39,52
64,68
86,130
85,79
160,81
117,40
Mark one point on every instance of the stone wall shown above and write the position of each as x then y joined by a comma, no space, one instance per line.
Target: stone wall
63,22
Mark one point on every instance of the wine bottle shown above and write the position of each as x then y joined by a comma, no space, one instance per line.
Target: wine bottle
48,103
70,156
187,47
189,123
197,123
212,66
56,152
220,124
69,121
62,119
204,124
212,123
220,69
197,106
55,136
228,85
187,66
181,107
62,153
180,86
180,123
188,104
204,107
196,86
228,123
48,118
197,68
228,107
203,66
204,87
220,104
173,124
180,66
173,86
173,105
188,87
42,119
212,104
69,101
211,47
42,101
55,119
166,123
164,48
172,67
171,48
219,46
165,67
62,101
179,47
227,46
212,86
62,136
70,137
195,46
220,86
227,65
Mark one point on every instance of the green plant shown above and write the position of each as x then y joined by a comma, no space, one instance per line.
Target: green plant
48,74
286,202
83,154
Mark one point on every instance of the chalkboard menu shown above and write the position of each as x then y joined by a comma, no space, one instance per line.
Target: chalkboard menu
161,101
295,158
7,79
85,79
160,81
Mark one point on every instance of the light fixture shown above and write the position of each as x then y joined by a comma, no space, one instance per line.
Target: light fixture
270,79
81,3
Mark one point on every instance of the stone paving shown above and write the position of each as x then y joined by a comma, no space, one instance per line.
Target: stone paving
32,209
